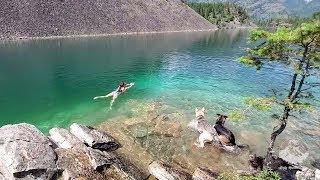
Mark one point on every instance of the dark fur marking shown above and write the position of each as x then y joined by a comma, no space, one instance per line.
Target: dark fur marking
221,130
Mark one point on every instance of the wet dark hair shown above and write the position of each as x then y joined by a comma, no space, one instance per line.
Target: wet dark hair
122,83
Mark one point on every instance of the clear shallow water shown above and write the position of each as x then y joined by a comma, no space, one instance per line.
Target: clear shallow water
51,83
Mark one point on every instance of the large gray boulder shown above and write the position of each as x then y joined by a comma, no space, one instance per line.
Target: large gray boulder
94,138
25,153
64,139
166,172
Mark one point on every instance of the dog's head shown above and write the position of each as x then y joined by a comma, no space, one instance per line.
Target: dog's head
221,119
252,157
200,112
199,115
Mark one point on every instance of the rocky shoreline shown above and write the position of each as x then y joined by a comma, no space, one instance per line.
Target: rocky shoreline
106,35
107,152
81,153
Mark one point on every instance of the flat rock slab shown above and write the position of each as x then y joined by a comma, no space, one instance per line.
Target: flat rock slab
204,174
64,139
166,172
25,152
94,138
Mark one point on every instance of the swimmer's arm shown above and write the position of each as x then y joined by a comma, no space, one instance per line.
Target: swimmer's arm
129,85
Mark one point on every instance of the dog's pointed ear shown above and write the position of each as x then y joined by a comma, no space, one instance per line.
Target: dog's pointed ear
203,109
218,114
196,110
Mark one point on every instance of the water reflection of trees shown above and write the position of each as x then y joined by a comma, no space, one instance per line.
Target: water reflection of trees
225,38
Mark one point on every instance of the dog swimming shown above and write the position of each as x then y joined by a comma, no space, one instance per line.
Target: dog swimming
114,94
207,131
218,133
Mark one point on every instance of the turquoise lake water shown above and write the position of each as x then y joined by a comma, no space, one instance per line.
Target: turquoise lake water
51,83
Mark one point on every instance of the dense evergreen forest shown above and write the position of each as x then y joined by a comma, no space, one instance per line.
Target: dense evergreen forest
221,13
273,23
274,8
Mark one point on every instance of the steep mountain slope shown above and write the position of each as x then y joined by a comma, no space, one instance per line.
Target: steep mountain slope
271,8
42,18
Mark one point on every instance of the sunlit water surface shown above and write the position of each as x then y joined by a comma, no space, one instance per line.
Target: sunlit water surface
51,83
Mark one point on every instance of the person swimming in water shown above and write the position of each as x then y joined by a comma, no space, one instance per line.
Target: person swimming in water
120,89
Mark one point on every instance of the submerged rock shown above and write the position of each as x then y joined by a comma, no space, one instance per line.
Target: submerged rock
131,150
127,170
313,132
295,152
139,130
25,153
94,138
166,172
168,128
204,174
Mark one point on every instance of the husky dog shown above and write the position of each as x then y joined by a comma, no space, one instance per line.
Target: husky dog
207,131
218,134
200,123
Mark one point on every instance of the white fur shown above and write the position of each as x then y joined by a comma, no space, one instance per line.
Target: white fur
193,124
204,137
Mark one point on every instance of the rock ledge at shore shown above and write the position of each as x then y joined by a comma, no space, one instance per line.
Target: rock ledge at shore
86,153
26,153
